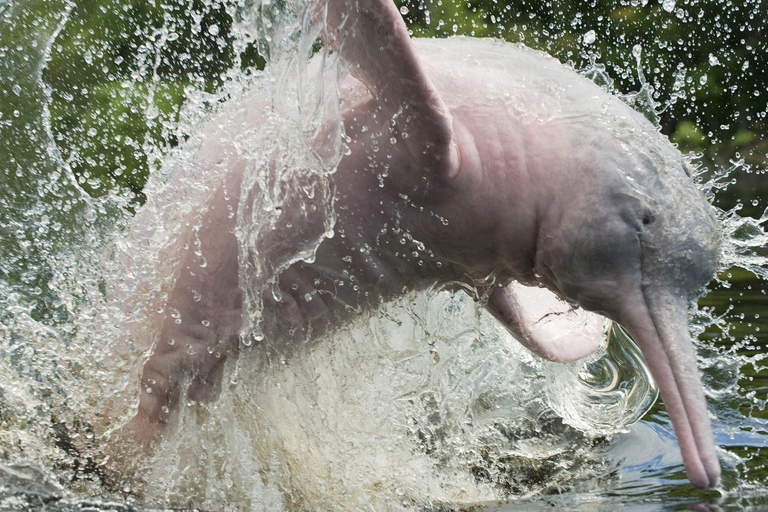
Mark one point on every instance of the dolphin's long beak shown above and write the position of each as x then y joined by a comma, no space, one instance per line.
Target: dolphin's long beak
660,328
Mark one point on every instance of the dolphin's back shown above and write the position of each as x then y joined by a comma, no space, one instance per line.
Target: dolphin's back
540,85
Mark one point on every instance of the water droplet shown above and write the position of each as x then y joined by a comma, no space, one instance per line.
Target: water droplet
668,5
403,10
206,323
590,37
213,30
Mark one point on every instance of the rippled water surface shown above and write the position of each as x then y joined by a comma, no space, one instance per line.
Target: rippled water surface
424,403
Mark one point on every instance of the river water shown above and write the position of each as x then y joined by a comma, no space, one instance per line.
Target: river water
424,403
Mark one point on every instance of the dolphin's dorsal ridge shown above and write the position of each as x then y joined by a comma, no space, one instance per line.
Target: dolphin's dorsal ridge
372,37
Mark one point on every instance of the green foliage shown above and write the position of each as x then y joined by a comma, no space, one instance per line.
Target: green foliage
118,74
688,137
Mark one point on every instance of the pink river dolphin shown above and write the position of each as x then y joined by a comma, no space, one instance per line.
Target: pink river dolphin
500,162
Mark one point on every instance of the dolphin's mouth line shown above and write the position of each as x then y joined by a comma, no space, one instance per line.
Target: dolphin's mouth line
676,389
669,373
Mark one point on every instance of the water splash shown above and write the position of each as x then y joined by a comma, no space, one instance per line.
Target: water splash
426,402
608,393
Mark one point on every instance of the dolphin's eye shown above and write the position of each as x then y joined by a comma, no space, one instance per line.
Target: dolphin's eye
647,219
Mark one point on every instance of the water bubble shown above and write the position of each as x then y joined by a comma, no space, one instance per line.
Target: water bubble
668,5
213,30
206,323
403,10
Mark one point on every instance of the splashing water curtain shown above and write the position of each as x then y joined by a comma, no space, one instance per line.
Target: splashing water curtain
118,121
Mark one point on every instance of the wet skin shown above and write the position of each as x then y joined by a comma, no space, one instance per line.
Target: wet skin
498,161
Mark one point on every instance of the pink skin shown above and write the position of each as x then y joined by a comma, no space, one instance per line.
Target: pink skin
545,325
542,177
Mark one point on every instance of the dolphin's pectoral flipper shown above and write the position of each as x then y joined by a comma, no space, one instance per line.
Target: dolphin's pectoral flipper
546,325
372,37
